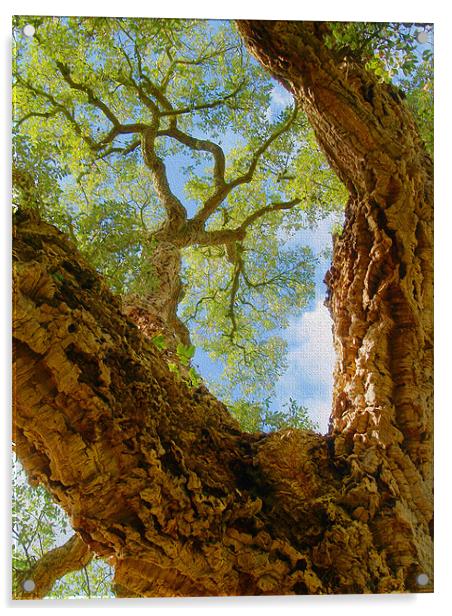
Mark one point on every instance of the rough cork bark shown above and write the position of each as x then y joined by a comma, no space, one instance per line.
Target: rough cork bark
158,477
380,283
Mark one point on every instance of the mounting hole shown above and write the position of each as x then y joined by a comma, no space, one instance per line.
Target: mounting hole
29,30
29,585
422,37
422,579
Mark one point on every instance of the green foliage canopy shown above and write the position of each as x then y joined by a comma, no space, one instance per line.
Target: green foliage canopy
241,173
85,92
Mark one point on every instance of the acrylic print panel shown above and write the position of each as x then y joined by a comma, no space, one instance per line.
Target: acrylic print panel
181,189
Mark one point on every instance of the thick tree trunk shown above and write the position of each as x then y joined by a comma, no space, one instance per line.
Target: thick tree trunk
157,476
153,473
380,283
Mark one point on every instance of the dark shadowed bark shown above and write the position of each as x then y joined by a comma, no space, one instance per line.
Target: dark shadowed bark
156,475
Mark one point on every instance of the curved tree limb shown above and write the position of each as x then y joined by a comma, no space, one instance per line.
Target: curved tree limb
212,204
196,235
389,175
38,581
175,211
200,145
117,129
273,207
92,98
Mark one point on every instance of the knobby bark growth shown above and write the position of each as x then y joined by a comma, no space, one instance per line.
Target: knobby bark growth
156,475
381,279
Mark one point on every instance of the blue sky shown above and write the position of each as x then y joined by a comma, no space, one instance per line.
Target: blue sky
308,378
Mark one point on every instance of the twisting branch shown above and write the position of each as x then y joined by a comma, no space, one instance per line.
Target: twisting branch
211,204
169,111
118,127
43,574
122,129
36,114
199,303
158,91
225,236
92,98
201,145
176,212
238,269
274,207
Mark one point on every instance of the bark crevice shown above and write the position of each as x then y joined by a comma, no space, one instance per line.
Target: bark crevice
158,476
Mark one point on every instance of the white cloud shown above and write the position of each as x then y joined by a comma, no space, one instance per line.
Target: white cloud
280,97
311,344
319,411
311,358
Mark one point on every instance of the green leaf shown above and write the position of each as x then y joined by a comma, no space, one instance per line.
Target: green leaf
194,377
185,353
159,342
173,367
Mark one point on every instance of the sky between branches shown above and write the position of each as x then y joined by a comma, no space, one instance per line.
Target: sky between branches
309,376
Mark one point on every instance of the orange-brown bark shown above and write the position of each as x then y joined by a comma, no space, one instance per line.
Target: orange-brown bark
157,475
153,473
380,282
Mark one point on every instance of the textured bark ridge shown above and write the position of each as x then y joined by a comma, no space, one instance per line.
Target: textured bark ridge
154,474
380,282
161,303
157,476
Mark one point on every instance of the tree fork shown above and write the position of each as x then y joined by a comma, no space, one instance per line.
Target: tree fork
157,475
153,474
